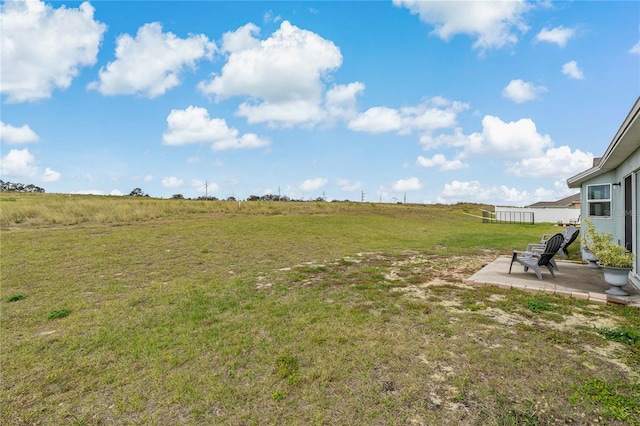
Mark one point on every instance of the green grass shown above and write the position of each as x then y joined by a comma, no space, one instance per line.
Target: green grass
185,312
620,334
59,313
16,297
539,304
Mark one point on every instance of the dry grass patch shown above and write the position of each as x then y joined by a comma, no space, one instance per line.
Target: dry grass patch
513,350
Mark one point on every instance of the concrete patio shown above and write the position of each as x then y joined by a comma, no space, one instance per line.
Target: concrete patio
573,279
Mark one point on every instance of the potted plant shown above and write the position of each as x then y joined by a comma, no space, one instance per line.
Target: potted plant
616,263
593,241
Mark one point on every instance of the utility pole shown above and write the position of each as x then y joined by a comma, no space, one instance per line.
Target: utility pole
206,187
324,196
405,197
362,197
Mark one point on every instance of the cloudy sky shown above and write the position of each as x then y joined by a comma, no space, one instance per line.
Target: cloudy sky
492,102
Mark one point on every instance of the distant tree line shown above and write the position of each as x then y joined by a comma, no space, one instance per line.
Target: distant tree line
18,187
137,192
272,197
267,197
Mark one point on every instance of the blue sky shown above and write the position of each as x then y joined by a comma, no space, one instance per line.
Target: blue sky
490,102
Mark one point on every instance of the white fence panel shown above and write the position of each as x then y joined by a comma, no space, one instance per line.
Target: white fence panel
545,215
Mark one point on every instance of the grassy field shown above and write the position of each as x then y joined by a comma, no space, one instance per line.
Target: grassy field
121,310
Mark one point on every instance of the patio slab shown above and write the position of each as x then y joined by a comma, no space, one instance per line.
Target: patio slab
572,279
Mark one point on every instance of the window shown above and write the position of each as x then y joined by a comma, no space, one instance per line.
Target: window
599,200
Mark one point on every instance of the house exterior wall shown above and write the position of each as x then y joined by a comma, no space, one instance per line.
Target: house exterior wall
603,224
545,215
619,165
615,224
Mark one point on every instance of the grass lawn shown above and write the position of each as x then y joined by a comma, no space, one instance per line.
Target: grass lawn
127,310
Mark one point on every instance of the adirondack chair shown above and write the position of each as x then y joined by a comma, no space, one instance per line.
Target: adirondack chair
570,233
533,260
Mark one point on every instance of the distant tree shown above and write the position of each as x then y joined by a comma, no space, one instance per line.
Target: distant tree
231,199
178,196
253,198
19,187
137,192
207,198
271,197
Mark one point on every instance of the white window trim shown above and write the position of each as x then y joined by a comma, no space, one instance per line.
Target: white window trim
600,200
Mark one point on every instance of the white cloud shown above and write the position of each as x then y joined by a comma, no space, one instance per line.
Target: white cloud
377,120
635,49
409,184
437,113
433,114
115,192
514,139
556,191
50,175
147,178
241,39
285,113
312,184
441,162
453,165
457,139
382,194
282,75
246,141
340,100
556,162
474,191
202,186
17,135
172,182
151,63
572,70
269,17
493,24
517,139
44,48
559,35
348,186
520,91
193,125
18,163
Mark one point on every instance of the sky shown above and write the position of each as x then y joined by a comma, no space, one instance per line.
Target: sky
495,102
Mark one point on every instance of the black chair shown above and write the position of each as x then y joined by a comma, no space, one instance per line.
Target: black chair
570,233
534,260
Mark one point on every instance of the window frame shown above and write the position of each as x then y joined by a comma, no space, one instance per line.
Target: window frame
603,201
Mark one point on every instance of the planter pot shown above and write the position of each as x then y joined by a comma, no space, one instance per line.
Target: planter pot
590,257
616,278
